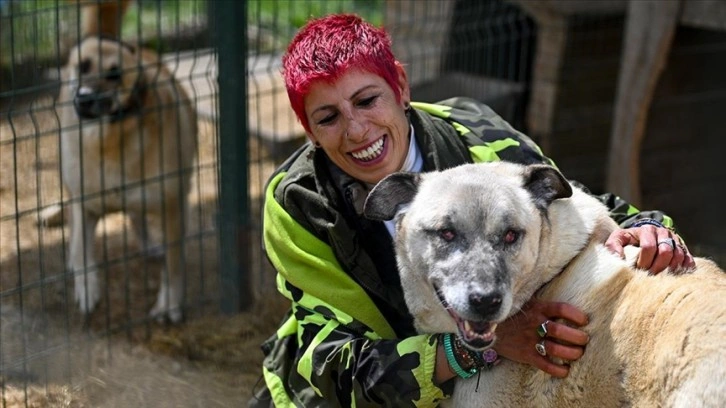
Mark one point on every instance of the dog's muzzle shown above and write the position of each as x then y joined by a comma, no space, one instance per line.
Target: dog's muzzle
475,334
92,105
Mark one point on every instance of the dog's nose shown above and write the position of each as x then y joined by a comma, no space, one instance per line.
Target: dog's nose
485,304
90,104
85,100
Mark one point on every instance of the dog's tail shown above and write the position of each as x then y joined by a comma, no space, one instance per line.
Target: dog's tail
102,17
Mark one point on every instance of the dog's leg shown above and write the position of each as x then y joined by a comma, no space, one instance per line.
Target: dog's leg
171,288
148,247
81,260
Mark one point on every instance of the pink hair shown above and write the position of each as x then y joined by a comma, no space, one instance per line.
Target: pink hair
325,48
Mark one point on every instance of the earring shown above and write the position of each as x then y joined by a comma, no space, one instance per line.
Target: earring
317,145
407,107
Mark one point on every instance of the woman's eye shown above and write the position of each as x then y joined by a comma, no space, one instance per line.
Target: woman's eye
326,120
367,101
511,237
447,234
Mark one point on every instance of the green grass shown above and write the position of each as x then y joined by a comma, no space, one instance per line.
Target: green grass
274,22
42,29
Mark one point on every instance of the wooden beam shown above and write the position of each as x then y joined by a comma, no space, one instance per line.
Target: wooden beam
649,32
552,31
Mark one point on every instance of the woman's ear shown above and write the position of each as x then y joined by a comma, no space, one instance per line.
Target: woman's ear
403,84
312,139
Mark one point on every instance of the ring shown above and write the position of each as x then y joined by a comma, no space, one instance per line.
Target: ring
541,348
670,241
542,329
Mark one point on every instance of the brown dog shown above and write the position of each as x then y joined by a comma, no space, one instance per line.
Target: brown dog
128,142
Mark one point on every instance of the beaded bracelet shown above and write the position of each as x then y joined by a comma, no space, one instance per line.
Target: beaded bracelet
465,357
472,358
451,358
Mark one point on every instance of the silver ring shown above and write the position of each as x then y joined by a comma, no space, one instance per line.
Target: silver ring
540,347
670,241
542,328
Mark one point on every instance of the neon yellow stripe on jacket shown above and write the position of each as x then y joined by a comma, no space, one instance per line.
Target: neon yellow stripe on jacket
277,389
430,395
273,382
305,364
316,271
441,111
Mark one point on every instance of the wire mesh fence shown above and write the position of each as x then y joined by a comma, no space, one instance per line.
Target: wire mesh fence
213,72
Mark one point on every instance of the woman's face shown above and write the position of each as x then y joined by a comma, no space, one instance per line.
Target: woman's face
358,123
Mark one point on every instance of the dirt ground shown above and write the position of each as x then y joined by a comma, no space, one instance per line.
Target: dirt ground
50,356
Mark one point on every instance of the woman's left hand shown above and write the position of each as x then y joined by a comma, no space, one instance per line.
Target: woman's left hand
660,248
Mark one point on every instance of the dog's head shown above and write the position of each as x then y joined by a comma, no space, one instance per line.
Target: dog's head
468,242
105,77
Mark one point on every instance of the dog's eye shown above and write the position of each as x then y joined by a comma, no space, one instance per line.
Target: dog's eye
511,236
447,235
84,66
114,74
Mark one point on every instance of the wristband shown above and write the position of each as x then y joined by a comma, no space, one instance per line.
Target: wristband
646,221
451,358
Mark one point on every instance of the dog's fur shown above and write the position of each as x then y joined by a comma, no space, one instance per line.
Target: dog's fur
102,17
128,142
655,341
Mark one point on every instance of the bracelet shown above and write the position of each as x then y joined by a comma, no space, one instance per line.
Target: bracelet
647,221
451,358
473,358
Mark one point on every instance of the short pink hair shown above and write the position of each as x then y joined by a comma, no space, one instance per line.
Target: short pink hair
325,48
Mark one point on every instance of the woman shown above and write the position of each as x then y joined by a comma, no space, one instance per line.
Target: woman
349,339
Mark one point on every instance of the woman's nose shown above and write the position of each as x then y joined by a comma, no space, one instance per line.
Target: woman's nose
356,130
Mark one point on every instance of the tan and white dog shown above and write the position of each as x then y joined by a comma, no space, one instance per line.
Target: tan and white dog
128,142
503,233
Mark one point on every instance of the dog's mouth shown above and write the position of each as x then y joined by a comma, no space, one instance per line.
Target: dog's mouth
476,335
91,105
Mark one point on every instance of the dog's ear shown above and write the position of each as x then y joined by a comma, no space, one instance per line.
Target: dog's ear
393,191
546,184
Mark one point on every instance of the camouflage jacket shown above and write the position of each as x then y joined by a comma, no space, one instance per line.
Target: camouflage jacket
348,339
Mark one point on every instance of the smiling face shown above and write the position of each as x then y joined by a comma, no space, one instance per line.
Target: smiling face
359,124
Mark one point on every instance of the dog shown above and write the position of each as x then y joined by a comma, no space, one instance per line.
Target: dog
128,142
504,233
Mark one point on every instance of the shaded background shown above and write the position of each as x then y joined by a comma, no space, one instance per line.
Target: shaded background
550,67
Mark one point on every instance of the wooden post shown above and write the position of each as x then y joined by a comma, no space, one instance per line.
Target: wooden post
649,32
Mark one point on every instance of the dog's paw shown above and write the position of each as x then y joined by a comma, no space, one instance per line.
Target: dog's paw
87,293
167,307
163,315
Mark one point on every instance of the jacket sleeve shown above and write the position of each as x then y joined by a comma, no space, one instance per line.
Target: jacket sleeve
335,348
317,360
625,214
491,138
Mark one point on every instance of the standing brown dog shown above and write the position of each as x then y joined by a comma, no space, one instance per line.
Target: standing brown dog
128,142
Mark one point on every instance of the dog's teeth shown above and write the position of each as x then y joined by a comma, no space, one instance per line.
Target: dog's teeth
467,326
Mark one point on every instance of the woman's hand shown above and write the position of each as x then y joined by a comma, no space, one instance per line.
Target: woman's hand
660,248
517,336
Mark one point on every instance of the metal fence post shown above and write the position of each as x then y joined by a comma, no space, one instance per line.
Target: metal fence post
229,28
